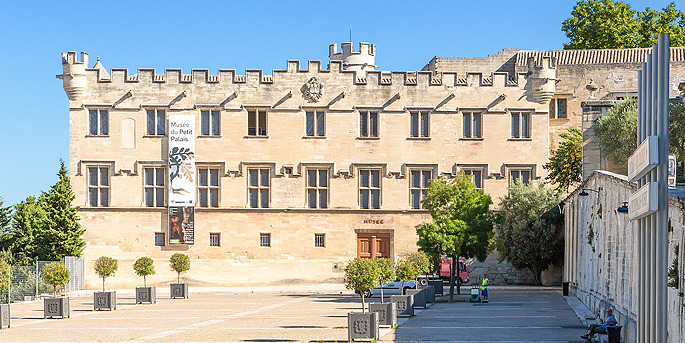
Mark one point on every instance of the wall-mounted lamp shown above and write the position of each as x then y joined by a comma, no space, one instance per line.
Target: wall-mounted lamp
623,208
583,192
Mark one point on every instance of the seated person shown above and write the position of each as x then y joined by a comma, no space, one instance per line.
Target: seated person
597,328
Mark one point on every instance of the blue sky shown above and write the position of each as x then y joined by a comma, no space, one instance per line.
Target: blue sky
232,35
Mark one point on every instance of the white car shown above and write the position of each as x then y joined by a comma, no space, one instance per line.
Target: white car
393,288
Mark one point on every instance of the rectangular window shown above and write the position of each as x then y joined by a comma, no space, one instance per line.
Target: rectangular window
99,122
209,123
316,124
370,188
156,122
368,124
557,108
521,175
317,188
418,185
258,187
214,239
520,125
264,239
472,125
159,239
154,186
98,186
320,240
420,124
256,122
476,176
208,187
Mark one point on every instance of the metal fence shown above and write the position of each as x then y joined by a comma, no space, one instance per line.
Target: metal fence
26,282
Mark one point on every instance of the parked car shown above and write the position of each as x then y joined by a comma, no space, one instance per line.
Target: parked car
394,288
444,273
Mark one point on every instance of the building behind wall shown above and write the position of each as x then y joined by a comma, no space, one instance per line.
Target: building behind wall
296,172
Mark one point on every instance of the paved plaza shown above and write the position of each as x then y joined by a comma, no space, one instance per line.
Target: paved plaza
515,314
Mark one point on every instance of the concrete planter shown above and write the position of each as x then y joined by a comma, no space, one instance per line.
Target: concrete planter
387,313
430,293
419,297
178,290
404,304
146,295
56,307
437,285
105,300
362,326
4,316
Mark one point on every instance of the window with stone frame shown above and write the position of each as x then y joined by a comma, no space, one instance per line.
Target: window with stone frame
522,175
98,186
98,122
320,240
208,187
315,122
368,124
259,181
264,239
557,108
419,124
214,239
370,188
476,175
317,188
160,239
473,125
418,183
154,180
256,122
210,124
520,124
156,122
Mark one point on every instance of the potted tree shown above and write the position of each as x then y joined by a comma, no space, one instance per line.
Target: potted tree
145,266
361,275
409,269
105,267
423,266
179,263
405,270
4,284
387,312
56,274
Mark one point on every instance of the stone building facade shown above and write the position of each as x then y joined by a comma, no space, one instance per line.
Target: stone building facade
300,170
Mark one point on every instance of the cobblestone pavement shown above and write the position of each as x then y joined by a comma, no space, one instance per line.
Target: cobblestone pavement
314,315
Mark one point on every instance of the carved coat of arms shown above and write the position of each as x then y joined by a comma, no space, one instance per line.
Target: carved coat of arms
313,90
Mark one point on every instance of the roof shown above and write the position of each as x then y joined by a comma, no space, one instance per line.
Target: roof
597,56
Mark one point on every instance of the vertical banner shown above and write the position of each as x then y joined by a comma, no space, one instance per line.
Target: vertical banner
182,176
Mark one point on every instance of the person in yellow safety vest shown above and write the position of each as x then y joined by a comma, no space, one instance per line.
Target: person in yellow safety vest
484,288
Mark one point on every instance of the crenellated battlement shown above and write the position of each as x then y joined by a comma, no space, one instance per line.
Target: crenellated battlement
74,74
543,77
70,58
358,60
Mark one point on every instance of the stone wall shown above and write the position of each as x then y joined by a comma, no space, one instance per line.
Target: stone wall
601,252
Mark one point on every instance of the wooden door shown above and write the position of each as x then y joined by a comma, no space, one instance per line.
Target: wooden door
370,245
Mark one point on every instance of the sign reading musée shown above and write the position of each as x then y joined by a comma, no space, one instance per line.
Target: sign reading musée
182,179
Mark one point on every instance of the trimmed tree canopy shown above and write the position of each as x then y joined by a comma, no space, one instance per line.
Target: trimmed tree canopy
144,266
105,267
361,275
56,274
179,263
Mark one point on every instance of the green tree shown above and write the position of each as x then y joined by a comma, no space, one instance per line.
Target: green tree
105,267
461,223
386,272
617,131
601,24
652,22
56,274
530,232
179,263
361,275
566,162
61,235
20,239
5,272
5,217
144,266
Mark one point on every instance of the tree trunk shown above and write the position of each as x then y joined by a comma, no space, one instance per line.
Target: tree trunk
103,284
144,281
451,297
363,304
381,291
179,277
